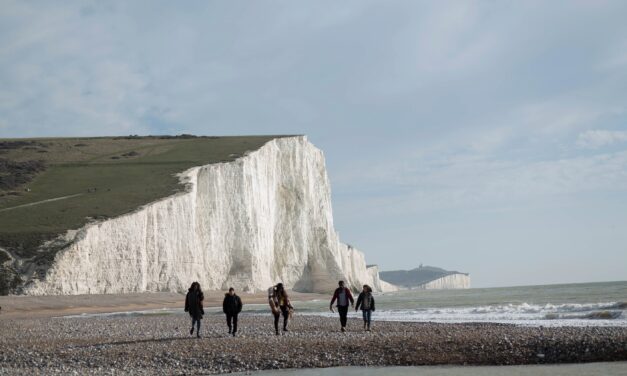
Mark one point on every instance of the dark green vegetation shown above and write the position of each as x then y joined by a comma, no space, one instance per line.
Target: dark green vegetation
415,277
93,178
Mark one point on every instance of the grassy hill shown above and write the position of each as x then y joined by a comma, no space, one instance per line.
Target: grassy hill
48,186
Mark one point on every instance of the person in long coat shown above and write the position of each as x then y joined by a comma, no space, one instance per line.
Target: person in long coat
193,305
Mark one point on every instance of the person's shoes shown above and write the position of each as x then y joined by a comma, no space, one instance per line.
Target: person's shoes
365,326
197,335
285,330
191,331
343,329
230,331
277,332
233,334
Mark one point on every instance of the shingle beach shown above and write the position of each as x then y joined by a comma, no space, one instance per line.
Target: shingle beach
161,344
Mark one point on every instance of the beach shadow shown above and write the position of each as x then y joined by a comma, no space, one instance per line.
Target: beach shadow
139,341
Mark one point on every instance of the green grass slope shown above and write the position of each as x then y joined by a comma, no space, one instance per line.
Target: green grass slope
93,178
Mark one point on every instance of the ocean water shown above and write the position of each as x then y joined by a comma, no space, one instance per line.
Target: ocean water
589,369
586,304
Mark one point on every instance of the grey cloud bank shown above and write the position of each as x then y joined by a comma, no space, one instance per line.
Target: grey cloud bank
478,136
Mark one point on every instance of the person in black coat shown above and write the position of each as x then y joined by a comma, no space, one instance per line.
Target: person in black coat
193,305
366,302
232,306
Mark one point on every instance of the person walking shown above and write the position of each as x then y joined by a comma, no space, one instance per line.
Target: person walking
231,306
280,305
344,297
365,300
193,305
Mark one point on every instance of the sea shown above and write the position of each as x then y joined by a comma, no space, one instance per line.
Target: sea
582,304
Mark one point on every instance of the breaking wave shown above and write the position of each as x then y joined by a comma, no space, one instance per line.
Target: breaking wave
597,314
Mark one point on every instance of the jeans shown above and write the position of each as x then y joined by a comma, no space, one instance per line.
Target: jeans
197,321
343,310
233,318
367,315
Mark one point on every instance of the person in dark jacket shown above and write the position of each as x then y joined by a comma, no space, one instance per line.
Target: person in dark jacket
366,301
344,297
280,305
193,305
231,306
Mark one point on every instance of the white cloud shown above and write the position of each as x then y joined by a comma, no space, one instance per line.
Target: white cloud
433,182
597,138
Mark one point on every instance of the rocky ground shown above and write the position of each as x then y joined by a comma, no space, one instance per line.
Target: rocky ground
161,344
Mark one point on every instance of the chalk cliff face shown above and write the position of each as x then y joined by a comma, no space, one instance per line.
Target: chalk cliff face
262,219
427,277
452,281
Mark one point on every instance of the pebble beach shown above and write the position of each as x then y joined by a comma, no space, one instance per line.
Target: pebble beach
160,344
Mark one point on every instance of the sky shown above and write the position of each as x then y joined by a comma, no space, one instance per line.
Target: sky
488,137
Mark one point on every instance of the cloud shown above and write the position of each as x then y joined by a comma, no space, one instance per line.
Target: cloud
598,138
462,182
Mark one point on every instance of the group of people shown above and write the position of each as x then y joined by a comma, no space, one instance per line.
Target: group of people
280,305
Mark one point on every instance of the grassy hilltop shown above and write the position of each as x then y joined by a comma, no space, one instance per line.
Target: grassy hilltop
48,186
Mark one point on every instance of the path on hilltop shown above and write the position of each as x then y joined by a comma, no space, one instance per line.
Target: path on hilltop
41,202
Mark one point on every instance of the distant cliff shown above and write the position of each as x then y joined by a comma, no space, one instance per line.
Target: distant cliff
427,277
261,219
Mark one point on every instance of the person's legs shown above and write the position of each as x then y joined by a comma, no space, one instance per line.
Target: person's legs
198,327
191,331
364,313
368,316
276,322
343,313
286,314
229,317
234,323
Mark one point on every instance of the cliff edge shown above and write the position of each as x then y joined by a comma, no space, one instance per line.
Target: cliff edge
261,219
427,277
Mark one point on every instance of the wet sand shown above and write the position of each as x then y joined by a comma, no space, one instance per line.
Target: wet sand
16,307
160,344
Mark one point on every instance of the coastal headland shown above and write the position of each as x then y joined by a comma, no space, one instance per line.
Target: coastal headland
39,338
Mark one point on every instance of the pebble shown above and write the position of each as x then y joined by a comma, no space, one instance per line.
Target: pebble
162,345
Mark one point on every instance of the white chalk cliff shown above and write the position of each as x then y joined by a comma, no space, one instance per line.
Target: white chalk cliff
451,281
262,219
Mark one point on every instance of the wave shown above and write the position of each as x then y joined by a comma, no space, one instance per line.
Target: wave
597,315
606,313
